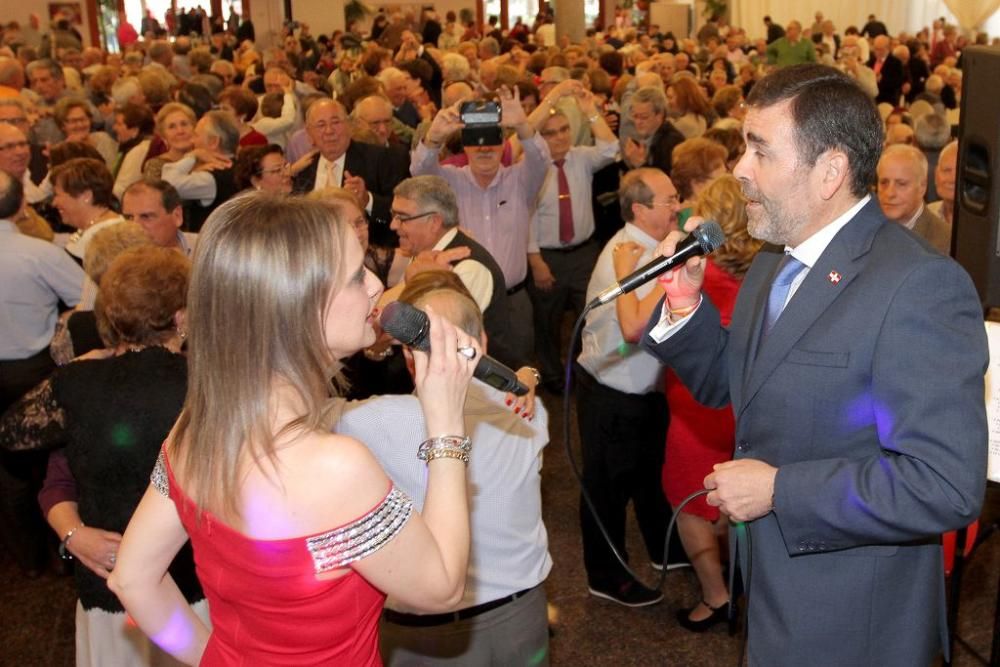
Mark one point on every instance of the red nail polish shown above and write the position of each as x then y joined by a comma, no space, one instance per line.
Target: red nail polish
509,401
517,409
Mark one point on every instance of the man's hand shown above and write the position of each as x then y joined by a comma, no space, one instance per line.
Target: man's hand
567,88
743,489
512,114
356,186
682,286
542,275
436,260
444,124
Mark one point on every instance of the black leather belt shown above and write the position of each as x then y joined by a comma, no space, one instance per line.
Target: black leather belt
517,288
428,620
572,248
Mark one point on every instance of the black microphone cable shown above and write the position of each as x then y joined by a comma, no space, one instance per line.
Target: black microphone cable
574,466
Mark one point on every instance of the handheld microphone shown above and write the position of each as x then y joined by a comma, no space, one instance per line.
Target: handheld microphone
411,327
702,241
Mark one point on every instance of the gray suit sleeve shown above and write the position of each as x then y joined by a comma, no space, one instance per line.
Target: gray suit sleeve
927,393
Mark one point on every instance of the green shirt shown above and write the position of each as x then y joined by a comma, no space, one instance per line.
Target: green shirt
782,53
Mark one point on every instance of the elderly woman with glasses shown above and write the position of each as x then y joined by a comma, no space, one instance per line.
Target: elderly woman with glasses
74,118
265,168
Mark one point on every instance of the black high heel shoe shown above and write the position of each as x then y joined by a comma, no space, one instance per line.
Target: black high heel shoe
719,615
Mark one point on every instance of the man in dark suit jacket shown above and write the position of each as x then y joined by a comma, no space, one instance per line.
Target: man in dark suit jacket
363,169
861,430
889,72
651,139
902,186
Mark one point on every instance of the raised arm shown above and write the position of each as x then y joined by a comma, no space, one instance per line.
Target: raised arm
424,566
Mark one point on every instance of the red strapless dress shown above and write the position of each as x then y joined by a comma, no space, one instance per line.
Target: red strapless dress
267,606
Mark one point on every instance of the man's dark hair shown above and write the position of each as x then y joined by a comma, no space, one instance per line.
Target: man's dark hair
169,196
829,110
11,195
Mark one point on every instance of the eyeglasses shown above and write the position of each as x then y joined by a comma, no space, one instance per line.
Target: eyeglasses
672,201
402,217
14,121
275,170
12,146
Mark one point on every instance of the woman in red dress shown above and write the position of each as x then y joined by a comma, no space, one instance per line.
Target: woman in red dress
298,534
700,437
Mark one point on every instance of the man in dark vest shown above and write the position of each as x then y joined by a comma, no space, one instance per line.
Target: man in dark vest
204,177
425,216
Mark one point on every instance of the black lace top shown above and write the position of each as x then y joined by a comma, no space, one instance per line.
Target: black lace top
111,415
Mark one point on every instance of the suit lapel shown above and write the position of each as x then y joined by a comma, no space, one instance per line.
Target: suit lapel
836,268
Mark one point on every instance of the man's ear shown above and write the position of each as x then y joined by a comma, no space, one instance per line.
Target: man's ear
833,171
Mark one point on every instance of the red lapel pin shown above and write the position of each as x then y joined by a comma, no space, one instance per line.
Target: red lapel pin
834,277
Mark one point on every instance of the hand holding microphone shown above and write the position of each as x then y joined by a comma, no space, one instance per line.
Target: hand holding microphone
410,326
682,286
676,252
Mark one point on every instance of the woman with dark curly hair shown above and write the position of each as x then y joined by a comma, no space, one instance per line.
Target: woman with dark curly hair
263,168
83,196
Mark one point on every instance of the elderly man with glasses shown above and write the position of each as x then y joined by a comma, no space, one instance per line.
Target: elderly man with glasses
365,170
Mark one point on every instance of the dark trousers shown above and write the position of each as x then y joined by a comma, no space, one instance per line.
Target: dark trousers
622,439
22,528
572,269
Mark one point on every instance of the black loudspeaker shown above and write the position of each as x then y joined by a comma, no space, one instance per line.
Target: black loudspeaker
976,234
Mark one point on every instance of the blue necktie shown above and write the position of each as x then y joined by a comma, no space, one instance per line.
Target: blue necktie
790,267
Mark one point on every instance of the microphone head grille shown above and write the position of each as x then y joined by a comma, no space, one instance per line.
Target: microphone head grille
404,322
710,236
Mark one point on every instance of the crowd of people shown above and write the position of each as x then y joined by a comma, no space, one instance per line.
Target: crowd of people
195,184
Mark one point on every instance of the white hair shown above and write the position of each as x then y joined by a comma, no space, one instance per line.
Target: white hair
125,89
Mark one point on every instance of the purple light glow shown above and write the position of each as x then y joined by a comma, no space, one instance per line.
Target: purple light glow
177,635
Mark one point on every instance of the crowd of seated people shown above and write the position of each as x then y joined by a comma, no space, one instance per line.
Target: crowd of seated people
604,145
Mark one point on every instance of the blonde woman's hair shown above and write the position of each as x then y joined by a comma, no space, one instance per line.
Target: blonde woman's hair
722,200
265,269
110,242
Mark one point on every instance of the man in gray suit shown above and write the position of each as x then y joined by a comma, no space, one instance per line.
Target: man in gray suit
902,184
854,363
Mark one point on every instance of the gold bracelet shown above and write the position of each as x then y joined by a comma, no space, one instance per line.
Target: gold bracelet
456,443
447,453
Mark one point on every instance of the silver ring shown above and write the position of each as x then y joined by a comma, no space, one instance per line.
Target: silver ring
468,352
113,558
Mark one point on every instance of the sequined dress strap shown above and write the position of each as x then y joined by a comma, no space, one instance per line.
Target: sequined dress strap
362,537
158,478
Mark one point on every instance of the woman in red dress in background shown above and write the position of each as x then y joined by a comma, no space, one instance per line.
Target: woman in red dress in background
700,437
298,534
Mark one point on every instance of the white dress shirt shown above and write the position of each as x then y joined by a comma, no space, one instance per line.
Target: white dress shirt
330,174
581,164
605,354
